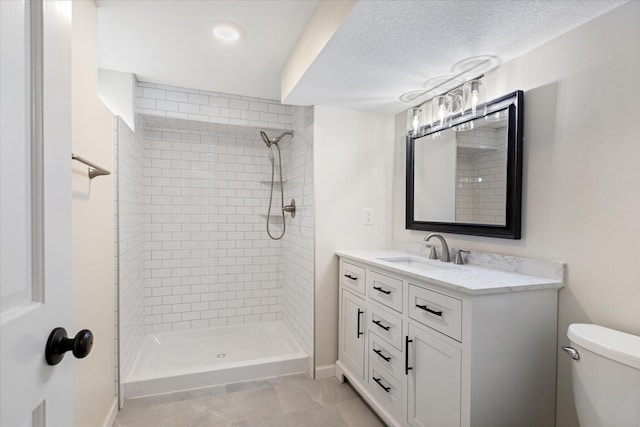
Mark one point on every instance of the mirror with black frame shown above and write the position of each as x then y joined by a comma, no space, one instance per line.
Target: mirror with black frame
467,178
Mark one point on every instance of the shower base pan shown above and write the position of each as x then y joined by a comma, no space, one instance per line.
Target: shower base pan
185,360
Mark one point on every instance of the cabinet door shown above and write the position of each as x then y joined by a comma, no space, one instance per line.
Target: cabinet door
352,333
434,380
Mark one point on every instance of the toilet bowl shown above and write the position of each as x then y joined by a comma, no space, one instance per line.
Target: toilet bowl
605,376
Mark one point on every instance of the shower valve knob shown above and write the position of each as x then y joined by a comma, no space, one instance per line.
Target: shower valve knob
290,208
58,344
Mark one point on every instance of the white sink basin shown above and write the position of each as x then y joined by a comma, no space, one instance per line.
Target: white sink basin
417,263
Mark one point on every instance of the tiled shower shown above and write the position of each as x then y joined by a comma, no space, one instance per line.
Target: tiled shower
480,176
193,186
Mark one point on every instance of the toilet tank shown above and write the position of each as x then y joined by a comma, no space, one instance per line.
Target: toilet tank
606,377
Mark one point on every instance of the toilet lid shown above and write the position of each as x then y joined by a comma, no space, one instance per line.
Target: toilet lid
615,345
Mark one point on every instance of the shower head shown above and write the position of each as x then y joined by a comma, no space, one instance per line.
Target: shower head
275,140
265,138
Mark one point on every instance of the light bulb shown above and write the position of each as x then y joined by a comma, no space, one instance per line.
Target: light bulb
474,96
440,110
442,113
474,101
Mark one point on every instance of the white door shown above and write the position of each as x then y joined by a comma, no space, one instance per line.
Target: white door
35,210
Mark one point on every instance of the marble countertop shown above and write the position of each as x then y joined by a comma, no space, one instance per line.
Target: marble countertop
467,279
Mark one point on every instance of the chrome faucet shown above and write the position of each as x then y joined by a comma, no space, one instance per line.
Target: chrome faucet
445,248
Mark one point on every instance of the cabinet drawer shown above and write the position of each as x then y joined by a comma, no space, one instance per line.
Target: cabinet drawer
386,290
352,277
386,355
440,312
385,386
387,325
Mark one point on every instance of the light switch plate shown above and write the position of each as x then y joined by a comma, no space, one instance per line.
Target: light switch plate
368,216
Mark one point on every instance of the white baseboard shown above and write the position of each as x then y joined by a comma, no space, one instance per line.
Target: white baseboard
113,413
325,371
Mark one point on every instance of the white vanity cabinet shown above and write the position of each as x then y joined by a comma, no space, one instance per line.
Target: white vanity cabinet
428,351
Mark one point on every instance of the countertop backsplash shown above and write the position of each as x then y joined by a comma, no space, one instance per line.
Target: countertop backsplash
509,263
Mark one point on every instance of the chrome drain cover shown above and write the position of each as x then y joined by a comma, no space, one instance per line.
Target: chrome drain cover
221,355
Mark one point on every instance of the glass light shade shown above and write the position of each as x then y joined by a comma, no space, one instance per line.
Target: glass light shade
457,101
440,111
474,98
415,120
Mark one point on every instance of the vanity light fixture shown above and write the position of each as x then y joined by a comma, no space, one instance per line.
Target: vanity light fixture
467,100
227,31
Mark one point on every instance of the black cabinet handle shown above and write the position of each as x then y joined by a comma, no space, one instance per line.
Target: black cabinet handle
425,308
387,389
348,276
58,344
377,322
358,327
379,289
407,368
379,353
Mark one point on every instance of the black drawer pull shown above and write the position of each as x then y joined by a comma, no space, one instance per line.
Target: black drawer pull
387,389
377,322
348,276
358,327
379,289
425,308
407,368
379,353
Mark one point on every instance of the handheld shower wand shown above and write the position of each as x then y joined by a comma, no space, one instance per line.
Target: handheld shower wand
291,208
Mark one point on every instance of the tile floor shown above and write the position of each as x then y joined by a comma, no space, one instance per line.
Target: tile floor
294,400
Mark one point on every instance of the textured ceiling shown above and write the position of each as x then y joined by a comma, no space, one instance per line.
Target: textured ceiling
388,48
169,42
384,48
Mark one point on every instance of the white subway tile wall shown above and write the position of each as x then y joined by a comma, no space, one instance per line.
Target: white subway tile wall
210,260
298,242
480,177
205,106
132,238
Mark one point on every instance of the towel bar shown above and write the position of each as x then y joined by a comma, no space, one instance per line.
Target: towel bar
94,170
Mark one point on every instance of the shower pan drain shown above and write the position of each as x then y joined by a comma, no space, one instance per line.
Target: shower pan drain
221,355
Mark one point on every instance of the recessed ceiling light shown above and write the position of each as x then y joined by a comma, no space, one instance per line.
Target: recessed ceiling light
227,31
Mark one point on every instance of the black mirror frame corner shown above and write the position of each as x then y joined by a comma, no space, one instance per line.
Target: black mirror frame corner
513,218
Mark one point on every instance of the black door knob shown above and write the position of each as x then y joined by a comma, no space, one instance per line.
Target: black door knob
58,344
